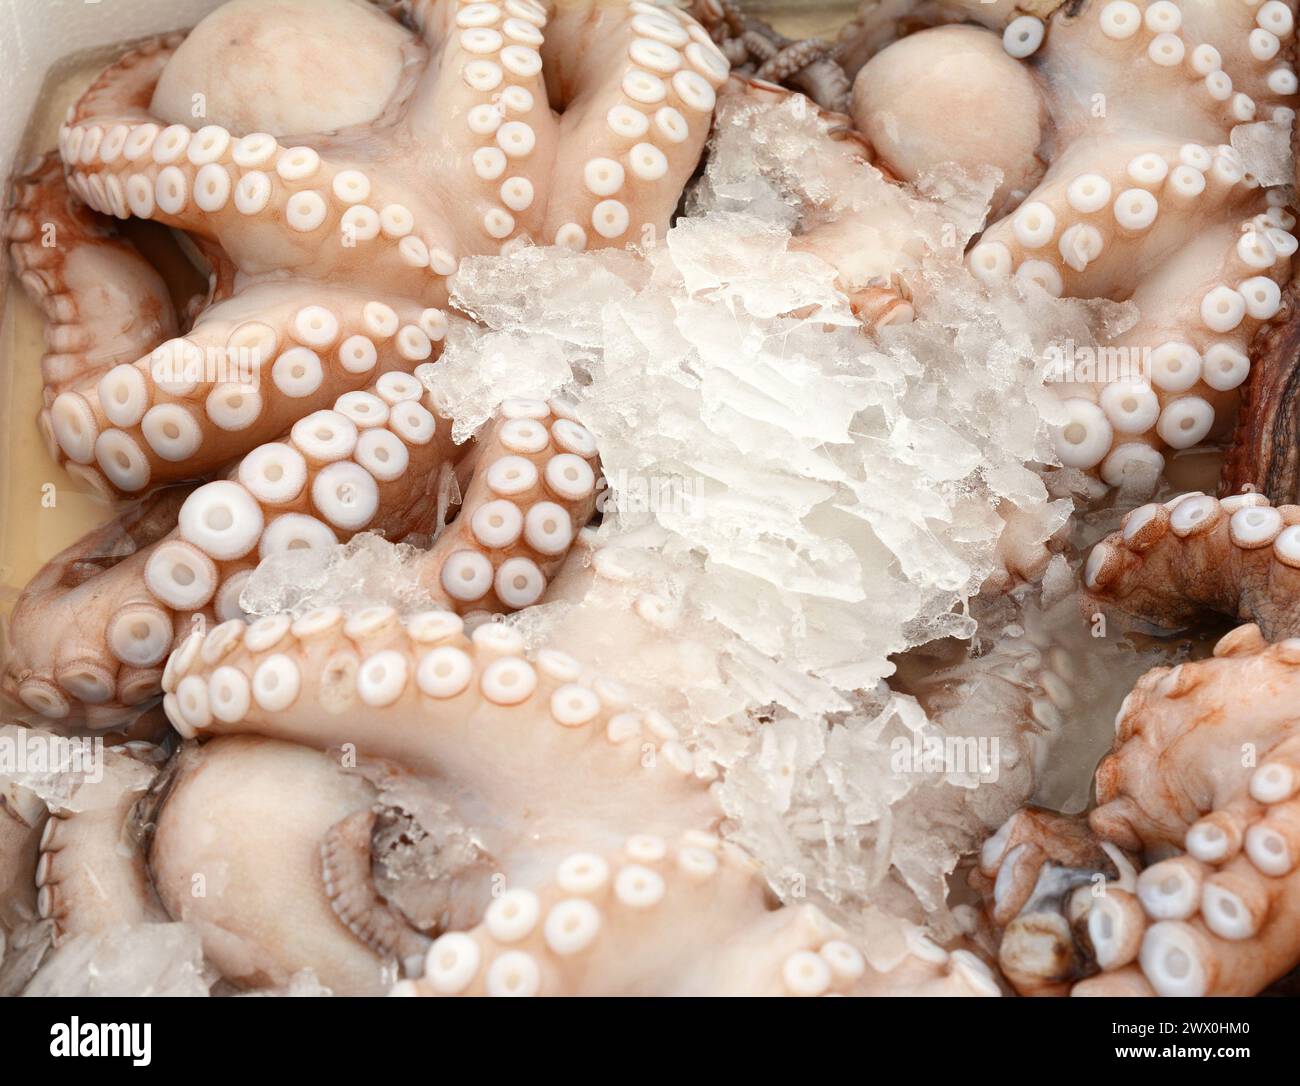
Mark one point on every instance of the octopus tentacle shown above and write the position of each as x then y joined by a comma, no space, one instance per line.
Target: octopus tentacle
488,60
533,490
92,875
808,65
1208,780
307,203
473,709
1172,562
100,637
22,818
242,372
126,87
103,303
270,206
633,124
43,689
1126,188
663,917
1038,874
1265,450
263,913
1188,383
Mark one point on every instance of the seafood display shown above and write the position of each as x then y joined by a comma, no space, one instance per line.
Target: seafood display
627,498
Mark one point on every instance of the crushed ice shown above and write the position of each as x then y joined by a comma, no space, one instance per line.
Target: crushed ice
137,960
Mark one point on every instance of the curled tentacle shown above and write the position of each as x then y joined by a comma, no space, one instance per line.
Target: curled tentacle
103,303
247,370
533,490
1204,773
1171,563
95,634
756,49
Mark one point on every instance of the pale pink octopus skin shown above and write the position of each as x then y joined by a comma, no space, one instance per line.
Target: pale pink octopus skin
22,816
1203,781
602,871
1113,136
332,253
794,950
599,824
103,627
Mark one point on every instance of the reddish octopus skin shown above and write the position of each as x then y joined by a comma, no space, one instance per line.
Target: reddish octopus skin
1194,555
1204,773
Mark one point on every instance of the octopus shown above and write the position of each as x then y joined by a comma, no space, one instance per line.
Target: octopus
331,223
521,748
465,806
1116,135
1180,881
1203,777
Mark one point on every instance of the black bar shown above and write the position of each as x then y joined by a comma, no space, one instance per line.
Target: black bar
884,1036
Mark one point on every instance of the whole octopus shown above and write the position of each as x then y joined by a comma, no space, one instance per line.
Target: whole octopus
459,811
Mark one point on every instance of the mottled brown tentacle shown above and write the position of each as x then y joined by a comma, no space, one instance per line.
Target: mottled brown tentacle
1265,451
